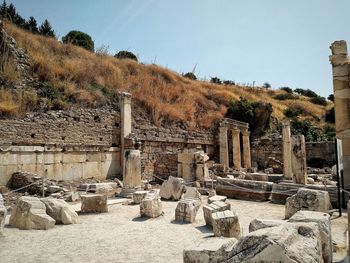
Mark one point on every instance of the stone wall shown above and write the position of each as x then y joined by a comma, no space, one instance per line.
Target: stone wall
316,152
74,127
60,163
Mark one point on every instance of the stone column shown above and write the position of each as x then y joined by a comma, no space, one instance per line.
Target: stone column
236,145
132,172
287,150
125,119
341,88
223,146
299,159
247,162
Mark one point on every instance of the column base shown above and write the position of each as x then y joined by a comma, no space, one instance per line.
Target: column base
128,192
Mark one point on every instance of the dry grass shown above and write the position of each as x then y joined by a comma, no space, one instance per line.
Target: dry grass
166,95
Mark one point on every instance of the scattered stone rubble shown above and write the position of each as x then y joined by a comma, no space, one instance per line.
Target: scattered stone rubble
151,206
60,211
172,189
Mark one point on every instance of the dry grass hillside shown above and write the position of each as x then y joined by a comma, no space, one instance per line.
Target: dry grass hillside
85,78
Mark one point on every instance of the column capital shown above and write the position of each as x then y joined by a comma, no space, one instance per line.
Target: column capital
235,131
245,132
286,122
223,129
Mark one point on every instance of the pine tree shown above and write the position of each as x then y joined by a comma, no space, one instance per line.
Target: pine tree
19,21
3,9
11,12
46,29
32,25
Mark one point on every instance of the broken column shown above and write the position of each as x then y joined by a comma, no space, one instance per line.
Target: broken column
341,87
226,224
287,150
151,206
223,147
202,171
247,162
131,173
299,159
236,144
186,210
186,169
125,118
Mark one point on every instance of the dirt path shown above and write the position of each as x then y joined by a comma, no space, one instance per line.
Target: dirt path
122,236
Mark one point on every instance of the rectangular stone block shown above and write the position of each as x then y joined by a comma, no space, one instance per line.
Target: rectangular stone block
96,203
187,158
209,209
186,210
226,224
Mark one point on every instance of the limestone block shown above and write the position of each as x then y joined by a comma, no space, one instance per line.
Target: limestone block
200,157
226,224
285,243
138,196
307,199
188,172
3,212
191,192
202,171
30,213
104,188
187,158
96,203
211,250
72,197
257,224
172,189
216,198
186,210
60,211
151,206
209,209
324,225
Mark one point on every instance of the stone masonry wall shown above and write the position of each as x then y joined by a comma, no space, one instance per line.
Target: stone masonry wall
74,127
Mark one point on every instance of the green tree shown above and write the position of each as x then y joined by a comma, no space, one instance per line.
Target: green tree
216,80
3,9
331,97
80,39
31,25
46,30
190,75
267,85
11,12
126,54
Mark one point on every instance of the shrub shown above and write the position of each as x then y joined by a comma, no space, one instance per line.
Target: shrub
215,80
306,128
190,75
285,96
330,116
286,89
50,91
319,100
242,110
329,132
331,97
292,112
126,55
267,85
306,92
80,39
229,82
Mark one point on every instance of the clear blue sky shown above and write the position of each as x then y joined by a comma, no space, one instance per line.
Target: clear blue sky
283,42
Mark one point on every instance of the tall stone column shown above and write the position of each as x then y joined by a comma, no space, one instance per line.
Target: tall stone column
236,149
287,150
299,159
247,162
341,74
223,146
125,119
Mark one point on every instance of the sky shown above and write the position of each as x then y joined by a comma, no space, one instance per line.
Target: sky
282,42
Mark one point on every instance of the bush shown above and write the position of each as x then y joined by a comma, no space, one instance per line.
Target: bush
329,132
267,85
126,55
330,116
292,112
215,80
306,128
331,97
306,92
80,39
286,89
190,75
285,96
319,100
229,82
241,110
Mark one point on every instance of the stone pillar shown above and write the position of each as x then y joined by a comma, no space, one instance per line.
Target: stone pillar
236,149
287,150
223,146
341,74
132,172
247,162
299,159
125,119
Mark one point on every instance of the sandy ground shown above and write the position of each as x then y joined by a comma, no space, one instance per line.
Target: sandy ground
122,236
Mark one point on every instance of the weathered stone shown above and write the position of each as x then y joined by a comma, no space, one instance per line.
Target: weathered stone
216,198
60,211
257,224
307,199
172,189
151,206
211,192
131,172
226,224
209,209
72,197
30,213
138,196
285,243
299,159
324,225
191,192
186,210
310,180
211,250
104,188
202,172
96,203
200,157
3,212
187,158
54,189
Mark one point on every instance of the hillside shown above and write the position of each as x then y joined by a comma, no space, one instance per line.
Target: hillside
72,76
